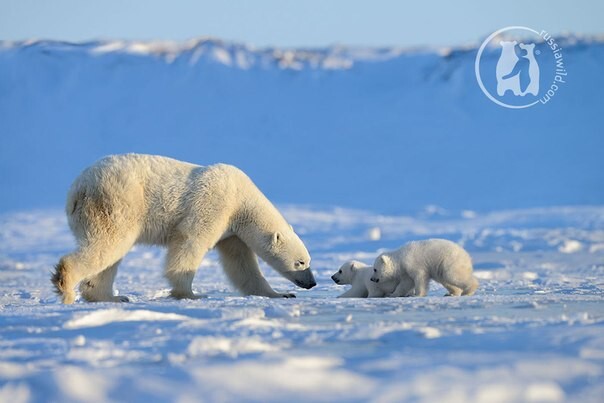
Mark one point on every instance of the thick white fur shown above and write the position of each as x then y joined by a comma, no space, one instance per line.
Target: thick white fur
122,200
412,266
358,274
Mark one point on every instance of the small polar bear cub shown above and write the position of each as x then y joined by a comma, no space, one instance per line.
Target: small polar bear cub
411,267
358,275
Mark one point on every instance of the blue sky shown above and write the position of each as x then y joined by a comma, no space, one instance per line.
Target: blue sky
293,23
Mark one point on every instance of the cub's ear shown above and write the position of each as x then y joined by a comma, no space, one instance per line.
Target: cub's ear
353,265
384,259
277,238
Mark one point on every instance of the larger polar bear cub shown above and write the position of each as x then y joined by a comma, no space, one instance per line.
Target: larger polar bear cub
412,266
123,200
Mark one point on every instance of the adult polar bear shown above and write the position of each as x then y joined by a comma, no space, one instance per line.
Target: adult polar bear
122,200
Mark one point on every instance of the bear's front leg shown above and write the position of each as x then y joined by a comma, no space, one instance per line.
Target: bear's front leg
355,292
240,265
182,260
374,291
403,289
421,281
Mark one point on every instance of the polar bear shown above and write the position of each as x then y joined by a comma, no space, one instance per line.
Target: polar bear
122,200
411,267
358,274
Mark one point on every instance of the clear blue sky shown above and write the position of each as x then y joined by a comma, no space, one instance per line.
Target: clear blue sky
292,23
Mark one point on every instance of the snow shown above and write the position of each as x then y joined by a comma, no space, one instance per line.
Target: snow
388,130
104,317
533,332
362,150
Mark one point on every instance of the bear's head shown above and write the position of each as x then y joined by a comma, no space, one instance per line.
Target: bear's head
347,272
384,270
285,252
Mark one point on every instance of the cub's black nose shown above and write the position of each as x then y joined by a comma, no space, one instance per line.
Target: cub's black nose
335,280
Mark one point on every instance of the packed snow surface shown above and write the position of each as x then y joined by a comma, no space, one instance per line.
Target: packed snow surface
533,332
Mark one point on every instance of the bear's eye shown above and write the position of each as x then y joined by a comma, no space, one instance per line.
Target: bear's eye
340,271
375,270
300,263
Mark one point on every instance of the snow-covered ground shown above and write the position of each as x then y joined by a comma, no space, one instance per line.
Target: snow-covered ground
390,135
533,332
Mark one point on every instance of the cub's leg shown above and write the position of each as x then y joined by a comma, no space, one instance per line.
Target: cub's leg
375,293
421,281
240,265
462,281
373,289
453,291
470,288
356,292
403,290
99,288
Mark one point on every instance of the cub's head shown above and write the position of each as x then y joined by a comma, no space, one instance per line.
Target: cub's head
286,253
383,269
346,273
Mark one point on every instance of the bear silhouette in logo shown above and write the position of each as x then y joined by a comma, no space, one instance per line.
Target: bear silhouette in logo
517,69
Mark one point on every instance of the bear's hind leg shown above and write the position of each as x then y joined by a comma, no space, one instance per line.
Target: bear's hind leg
87,262
105,228
63,279
421,281
241,267
99,288
463,280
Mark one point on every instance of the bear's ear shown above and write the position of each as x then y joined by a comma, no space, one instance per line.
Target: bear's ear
384,259
277,238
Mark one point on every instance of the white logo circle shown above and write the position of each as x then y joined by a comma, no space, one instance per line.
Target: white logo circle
518,70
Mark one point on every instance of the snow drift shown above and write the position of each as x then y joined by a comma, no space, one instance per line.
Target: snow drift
383,129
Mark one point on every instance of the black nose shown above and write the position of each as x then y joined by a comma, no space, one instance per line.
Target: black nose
335,280
303,278
307,285
375,280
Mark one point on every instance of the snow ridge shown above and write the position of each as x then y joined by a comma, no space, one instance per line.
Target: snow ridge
244,56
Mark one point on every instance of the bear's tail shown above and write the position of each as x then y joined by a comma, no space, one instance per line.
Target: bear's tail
471,289
60,280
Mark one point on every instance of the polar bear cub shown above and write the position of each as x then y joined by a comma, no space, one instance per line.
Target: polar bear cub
411,267
358,274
